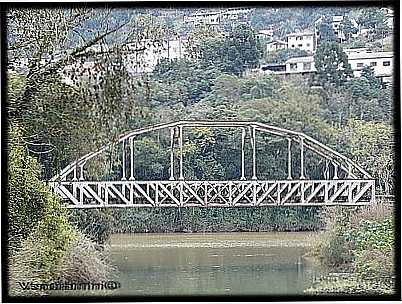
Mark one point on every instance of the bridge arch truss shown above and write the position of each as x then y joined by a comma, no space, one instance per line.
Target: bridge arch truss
355,187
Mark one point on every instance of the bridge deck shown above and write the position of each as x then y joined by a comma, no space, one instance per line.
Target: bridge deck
250,193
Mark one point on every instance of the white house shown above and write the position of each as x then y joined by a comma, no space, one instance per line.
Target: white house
381,62
145,61
302,41
276,45
265,34
209,18
300,65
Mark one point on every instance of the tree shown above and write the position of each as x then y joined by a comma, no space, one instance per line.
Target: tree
347,28
244,49
233,54
333,69
326,31
373,19
76,82
371,144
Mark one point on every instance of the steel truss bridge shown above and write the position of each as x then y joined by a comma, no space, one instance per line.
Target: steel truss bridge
343,181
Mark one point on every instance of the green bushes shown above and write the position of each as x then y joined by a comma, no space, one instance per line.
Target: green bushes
43,246
359,242
216,219
94,223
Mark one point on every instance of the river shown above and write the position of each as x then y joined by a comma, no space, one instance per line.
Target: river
260,263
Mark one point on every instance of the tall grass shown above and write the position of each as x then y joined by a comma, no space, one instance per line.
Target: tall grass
360,242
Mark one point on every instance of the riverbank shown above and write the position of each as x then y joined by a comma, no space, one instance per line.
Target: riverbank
100,224
359,245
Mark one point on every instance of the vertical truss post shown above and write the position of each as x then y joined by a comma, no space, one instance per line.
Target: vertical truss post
373,192
75,173
171,154
243,137
278,193
335,171
82,172
252,131
123,178
289,158
302,199
132,177
205,194
75,190
131,193
81,194
106,195
349,170
181,200
181,151
302,158
326,172
230,193
350,192
156,194
254,193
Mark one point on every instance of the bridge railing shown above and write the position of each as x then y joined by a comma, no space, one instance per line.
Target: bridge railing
252,193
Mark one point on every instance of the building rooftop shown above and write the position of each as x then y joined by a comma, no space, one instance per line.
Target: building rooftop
369,55
337,18
305,33
300,59
277,41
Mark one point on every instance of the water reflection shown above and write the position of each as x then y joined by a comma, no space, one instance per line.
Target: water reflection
213,264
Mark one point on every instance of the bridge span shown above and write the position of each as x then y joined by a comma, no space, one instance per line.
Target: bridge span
343,182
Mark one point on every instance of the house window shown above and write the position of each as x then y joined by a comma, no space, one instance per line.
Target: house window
373,63
308,44
300,45
386,63
293,66
307,66
293,45
360,64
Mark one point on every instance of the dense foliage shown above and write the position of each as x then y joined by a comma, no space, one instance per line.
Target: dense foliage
360,244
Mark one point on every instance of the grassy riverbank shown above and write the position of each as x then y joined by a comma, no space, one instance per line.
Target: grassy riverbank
358,244
101,223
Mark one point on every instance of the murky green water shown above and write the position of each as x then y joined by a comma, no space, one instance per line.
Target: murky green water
213,264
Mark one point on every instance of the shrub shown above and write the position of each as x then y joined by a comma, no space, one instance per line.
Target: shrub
84,262
362,240
94,223
43,245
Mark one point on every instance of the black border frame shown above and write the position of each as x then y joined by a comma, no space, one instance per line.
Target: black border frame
175,4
